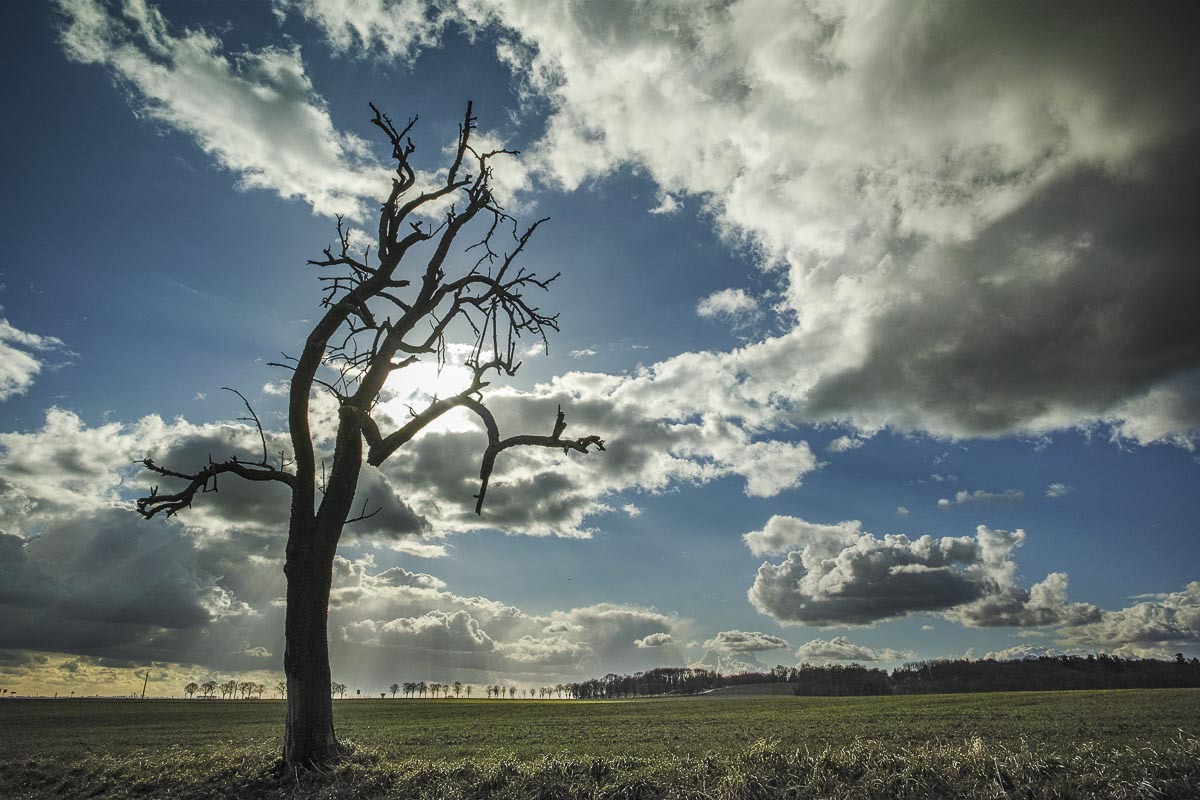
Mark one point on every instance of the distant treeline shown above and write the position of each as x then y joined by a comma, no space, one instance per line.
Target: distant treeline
1045,673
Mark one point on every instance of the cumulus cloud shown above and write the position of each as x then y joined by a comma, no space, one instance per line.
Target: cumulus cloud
103,584
782,534
840,575
397,29
654,640
23,357
436,630
1056,490
1020,652
1156,628
667,204
745,642
255,113
843,444
839,648
964,498
650,446
729,303
942,192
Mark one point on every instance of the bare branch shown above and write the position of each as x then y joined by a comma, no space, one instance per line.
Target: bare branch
205,480
252,418
496,445
363,514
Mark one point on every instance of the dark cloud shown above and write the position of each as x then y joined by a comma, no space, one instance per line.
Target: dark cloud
839,576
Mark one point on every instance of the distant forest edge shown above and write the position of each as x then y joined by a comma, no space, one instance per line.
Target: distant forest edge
1045,673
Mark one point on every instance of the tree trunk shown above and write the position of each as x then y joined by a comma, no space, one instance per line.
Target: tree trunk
308,737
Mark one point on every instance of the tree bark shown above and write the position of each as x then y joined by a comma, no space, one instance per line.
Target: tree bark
308,739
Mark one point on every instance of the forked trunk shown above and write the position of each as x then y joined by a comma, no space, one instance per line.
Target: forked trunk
308,738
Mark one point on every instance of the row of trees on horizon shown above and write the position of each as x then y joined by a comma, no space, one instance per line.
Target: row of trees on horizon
245,690
941,676
1044,673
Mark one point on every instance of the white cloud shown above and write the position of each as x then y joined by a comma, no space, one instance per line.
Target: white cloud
782,534
255,113
448,633
395,29
586,352
654,640
745,642
964,498
844,444
839,648
840,575
667,204
1056,490
1154,628
902,511
1020,652
22,358
730,303
941,192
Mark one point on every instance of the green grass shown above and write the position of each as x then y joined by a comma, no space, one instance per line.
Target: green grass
1059,744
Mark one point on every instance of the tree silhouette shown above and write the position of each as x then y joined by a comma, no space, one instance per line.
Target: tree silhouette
458,687
395,687
379,319
190,689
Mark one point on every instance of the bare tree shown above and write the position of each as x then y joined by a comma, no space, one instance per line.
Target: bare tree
191,688
380,318
395,687
458,687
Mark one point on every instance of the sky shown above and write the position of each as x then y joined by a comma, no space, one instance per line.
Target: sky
885,311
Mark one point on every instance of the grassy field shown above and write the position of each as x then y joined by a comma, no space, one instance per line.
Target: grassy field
1127,743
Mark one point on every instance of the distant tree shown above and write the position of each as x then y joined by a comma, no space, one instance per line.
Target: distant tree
512,692
395,687
378,319
458,687
281,688
208,688
468,691
190,689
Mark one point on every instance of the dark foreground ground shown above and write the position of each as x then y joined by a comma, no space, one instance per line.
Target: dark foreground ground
1061,744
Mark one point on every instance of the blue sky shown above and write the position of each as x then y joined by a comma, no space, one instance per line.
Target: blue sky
822,263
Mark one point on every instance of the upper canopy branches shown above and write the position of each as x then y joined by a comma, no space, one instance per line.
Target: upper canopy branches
379,326
384,315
